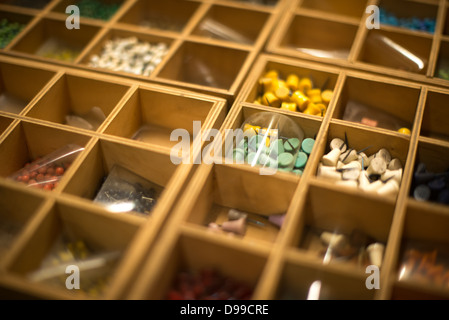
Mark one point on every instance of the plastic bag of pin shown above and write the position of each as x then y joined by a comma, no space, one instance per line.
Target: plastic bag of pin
360,113
95,266
46,172
124,191
425,262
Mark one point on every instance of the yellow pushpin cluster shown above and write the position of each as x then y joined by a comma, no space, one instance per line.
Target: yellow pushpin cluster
293,94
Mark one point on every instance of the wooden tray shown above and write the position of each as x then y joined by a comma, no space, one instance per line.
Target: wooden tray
191,46
337,34
39,128
286,263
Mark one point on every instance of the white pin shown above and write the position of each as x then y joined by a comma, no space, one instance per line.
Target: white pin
391,188
331,158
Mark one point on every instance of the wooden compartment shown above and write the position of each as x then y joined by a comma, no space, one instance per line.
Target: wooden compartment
160,14
155,167
28,141
361,220
117,34
202,65
311,36
40,4
241,113
368,140
12,17
19,85
305,281
144,117
4,124
229,24
406,52
15,215
193,251
322,77
67,222
442,64
379,104
75,95
435,158
420,273
216,190
50,40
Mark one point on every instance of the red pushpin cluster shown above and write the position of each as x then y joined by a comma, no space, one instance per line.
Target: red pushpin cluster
43,176
208,284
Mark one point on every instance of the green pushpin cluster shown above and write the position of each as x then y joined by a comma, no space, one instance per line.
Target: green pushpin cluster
8,30
97,9
283,154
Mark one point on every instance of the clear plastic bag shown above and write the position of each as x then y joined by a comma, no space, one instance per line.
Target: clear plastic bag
124,192
395,55
270,141
46,172
91,120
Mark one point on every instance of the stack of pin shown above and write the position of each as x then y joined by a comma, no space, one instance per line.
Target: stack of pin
378,173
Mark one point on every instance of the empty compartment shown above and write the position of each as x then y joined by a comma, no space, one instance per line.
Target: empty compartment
204,65
431,174
396,50
144,117
34,4
11,24
27,143
423,261
378,104
19,85
411,15
236,271
304,282
230,24
351,8
303,89
122,179
128,52
311,36
363,160
68,239
18,207
286,136
93,9
160,14
80,102
434,114
227,201
50,39
352,230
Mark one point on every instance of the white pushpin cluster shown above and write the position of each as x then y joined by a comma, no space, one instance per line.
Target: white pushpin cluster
130,55
378,173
